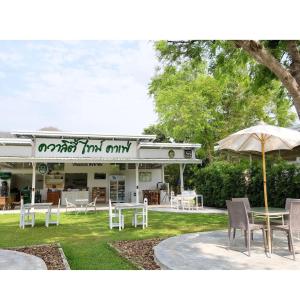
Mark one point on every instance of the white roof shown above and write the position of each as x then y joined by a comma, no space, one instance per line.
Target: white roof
15,141
59,134
168,145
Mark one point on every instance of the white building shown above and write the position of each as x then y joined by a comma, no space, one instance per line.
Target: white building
70,165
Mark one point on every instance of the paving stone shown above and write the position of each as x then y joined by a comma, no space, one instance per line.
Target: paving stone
210,251
13,260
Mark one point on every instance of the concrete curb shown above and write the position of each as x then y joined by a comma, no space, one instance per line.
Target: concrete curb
63,256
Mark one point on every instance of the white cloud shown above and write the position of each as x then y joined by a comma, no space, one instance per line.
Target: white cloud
83,87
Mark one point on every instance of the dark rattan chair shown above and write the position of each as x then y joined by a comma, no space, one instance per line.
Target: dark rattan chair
238,219
293,225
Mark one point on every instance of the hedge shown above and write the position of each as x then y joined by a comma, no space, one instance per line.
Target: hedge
223,180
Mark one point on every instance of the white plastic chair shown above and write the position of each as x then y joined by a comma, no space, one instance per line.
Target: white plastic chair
50,214
114,218
174,201
91,204
27,216
143,214
70,205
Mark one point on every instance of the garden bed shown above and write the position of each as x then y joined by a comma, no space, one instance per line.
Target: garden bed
140,252
51,254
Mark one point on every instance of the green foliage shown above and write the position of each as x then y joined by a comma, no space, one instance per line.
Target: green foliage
194,106
221,181
157,130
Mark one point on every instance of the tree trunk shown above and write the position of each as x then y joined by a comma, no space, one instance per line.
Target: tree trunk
263,56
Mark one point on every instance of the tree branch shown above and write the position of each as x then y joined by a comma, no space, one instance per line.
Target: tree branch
263,56
295,59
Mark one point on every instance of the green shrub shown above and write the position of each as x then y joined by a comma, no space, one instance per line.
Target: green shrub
222,180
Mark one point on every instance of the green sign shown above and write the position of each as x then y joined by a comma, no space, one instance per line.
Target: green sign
171,153
5,175
43,169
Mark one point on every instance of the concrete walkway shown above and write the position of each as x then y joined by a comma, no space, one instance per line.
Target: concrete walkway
209,251
205,210
14,260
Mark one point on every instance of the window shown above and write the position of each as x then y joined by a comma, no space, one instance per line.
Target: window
99,176
145,176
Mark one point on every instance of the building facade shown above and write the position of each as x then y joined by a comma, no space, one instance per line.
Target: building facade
48,165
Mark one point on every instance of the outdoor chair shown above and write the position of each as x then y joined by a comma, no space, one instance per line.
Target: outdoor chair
27,216
238,219
114,218
70,205
245,200
91,204
50,215
141,214
293,225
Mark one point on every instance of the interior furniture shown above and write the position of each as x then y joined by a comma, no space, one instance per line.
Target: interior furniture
153,196
53,197
100,193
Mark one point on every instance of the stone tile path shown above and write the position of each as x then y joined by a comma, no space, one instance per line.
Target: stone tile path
209,251
13,260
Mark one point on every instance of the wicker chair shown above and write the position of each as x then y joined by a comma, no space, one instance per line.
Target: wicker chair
238,219
293,225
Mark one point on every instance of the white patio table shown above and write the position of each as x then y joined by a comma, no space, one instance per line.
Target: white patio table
82,202
120,206
47,205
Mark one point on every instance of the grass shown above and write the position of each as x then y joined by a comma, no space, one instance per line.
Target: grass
85,238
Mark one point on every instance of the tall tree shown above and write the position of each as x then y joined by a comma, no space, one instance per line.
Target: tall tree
194,106
280,59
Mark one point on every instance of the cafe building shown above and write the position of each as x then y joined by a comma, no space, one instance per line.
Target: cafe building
44,166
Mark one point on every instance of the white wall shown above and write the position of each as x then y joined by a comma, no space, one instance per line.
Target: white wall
22,151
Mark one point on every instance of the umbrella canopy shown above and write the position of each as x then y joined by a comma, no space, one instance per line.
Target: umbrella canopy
250,139
262,138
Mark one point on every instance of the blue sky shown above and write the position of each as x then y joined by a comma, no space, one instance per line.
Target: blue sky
88,86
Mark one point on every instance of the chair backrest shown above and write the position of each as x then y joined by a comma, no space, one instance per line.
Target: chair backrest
237,213
95,200
288,202
294,216
109,206
22,204
245,200
58,204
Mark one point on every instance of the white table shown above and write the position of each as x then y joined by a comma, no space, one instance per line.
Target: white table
120,206
82,202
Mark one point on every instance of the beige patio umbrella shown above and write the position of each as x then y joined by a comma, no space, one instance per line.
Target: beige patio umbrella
261,138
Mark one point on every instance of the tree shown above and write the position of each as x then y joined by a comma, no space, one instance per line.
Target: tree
280,59
157,129
194,106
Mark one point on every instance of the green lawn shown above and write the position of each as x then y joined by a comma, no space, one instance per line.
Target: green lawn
85,238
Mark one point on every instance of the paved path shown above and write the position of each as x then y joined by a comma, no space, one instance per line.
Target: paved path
209,251
14,260
205,210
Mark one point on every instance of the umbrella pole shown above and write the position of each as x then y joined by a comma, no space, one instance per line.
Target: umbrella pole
265,193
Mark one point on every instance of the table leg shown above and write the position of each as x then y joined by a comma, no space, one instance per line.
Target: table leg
120,223
269,236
